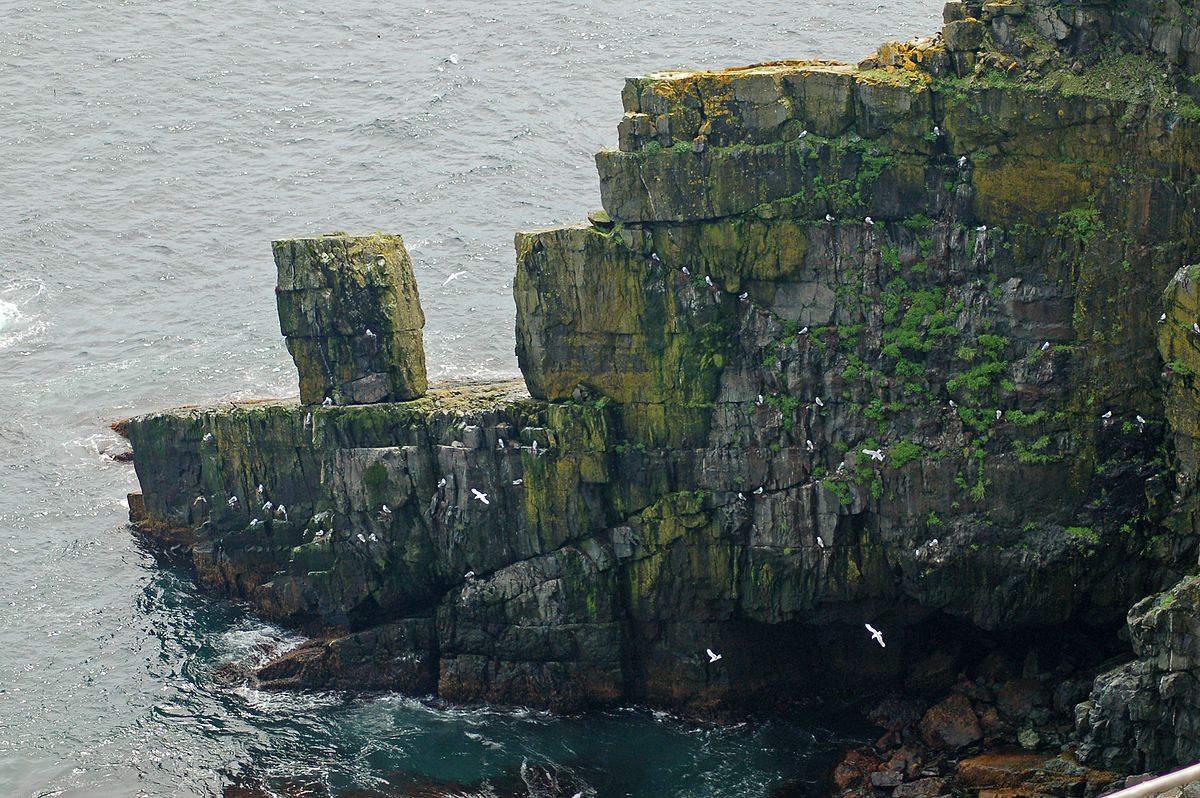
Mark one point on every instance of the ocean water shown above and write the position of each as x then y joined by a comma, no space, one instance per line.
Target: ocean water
149,152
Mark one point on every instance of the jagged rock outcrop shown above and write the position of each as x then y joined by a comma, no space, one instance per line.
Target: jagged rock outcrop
847,344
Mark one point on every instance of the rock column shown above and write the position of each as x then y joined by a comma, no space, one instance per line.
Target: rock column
349,308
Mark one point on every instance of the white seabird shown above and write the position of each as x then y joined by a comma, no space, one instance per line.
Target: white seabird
962,162
369,334
233,501
874,454
480,495
308,419
758,400
267,507
1196,327
1162,318
260,490
441,483
208,437
744,296
758,491
708,281
808,446
320,533
1045,346
361,537
518,481
981,228
469,575
712,655
828,218
818,402
453,59
281,513
741,496
869,221
534,447
654,257
1141,420
453,276
999,413
802,331
254,522
803,133
1107,415
686,271
500,444
328,402
876,635
820,542
937,131
953,403
373,538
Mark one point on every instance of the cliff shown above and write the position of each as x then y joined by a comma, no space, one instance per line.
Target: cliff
907,343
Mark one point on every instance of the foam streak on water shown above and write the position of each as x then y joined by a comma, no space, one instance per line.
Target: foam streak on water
148,153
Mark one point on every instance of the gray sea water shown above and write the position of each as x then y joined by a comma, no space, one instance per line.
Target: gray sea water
149,152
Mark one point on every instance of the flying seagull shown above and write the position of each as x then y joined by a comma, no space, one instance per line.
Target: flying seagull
482,497
712,655
876,635
453,276
874,454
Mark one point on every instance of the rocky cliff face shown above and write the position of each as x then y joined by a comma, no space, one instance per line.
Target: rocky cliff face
847,344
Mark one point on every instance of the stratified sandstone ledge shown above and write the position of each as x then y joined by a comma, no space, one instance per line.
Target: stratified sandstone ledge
907,343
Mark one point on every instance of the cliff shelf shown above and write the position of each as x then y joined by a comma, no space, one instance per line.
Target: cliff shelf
973,254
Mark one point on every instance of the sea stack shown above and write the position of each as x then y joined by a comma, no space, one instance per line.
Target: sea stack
349,308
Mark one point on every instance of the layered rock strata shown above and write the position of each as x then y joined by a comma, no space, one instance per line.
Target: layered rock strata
847,344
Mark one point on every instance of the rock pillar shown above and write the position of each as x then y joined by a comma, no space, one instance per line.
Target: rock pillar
349,308
1179,345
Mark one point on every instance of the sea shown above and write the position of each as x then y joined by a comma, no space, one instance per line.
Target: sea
150,150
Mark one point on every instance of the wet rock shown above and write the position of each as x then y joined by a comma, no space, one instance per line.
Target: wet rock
951,725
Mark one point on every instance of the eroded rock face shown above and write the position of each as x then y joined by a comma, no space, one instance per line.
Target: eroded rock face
847,345
349,308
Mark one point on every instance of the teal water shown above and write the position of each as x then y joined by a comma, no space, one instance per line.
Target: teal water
149,151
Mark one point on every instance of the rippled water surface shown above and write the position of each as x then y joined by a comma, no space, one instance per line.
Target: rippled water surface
149,151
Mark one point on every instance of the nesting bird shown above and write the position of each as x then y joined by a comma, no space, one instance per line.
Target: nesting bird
818,402
981,228
829,218
1107,415
820,542
469,575
1045,346
686,271
808,446
208,437
1162,318
328,402
744,296
281,513
962,162
233,501
758,491
869,222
